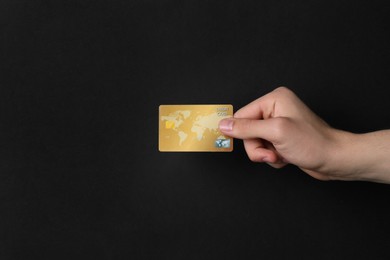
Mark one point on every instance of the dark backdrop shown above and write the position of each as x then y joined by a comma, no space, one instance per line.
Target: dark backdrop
80,85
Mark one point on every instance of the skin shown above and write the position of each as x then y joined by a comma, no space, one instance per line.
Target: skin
278,128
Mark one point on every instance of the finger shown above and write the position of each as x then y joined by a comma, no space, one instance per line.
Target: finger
277,161
264,107
256,151
269,129
277,165
257,109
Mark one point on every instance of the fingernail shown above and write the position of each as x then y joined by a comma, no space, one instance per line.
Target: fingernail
226,125
265,159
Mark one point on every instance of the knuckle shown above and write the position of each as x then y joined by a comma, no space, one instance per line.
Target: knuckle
283,91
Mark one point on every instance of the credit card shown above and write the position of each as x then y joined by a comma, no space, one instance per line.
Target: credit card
193,128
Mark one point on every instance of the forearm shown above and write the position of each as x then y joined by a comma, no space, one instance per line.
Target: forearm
363,157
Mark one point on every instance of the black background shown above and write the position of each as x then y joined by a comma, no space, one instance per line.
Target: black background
80,84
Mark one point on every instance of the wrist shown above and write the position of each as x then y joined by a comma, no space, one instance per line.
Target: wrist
340,164
355,157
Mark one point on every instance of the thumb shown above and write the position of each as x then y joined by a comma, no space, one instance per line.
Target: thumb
242,128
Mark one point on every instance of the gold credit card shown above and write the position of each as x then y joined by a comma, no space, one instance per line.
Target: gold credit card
193,128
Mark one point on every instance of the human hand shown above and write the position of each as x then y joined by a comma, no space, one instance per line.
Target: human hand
279,128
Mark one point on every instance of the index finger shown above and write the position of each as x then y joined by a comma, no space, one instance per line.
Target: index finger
258,109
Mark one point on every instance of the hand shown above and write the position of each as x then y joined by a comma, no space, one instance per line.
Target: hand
279,128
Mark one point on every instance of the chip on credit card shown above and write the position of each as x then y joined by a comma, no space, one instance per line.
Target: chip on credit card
193,128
